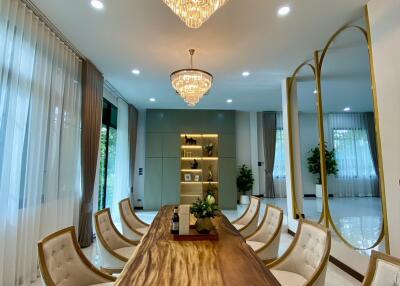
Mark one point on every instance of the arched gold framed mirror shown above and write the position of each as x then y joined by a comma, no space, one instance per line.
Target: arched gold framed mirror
304,134
353,177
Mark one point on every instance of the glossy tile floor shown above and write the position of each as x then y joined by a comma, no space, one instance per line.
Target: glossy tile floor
358,219
335,276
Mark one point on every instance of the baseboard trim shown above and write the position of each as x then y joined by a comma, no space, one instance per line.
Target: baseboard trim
353,273
138,208
314,196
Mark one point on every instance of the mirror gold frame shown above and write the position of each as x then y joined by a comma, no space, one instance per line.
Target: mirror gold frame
326,217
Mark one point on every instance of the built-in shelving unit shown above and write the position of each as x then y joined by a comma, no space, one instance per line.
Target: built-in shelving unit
199,166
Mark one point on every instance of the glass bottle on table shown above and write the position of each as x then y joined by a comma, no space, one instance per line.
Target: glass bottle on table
175,222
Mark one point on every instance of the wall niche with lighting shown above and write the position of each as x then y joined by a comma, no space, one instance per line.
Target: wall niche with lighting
199,167
171,174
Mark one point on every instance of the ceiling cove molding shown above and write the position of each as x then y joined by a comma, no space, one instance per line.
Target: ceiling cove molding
111,89
52,27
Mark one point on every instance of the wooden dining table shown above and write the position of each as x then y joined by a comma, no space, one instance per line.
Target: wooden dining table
160,260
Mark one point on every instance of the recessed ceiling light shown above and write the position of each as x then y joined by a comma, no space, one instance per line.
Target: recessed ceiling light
284,10
136,72
97,4
346,109
152,99
229,101
245,73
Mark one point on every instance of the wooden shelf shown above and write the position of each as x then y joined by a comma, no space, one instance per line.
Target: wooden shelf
191,190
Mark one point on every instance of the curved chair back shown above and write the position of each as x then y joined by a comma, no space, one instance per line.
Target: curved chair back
110,239
248,222
268,233
63,263
132,226
308,254
383,269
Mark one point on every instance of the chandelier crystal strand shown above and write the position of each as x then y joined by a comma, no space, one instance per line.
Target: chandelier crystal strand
191,84
194,12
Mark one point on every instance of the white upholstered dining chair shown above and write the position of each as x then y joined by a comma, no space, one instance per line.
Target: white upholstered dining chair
62,262
265,240
132,226
114,248
383,269
248,222
306,260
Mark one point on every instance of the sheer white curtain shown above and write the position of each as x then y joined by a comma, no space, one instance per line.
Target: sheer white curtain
348,134
40,101
121,189
280,159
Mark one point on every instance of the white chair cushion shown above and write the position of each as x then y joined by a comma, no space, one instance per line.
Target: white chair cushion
103,284
238,226
255,245
125,251
288,278
386,274
142,230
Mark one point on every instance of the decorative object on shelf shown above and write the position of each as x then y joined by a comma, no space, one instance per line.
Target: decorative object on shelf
244,183
314,166
191,84
190,141
188,177
209,149
211,190
197,178
194,165
204,210
187,154
210,177
194,13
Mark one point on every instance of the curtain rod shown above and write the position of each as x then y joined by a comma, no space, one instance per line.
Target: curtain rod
52,27
114,91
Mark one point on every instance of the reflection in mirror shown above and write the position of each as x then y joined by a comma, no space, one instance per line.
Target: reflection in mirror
349,128
308,185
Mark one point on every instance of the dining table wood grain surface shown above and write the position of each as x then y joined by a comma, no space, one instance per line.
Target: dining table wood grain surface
162,261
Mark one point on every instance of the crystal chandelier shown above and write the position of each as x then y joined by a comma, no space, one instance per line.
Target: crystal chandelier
191,84
194,12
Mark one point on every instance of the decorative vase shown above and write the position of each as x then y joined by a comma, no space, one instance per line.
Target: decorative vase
244,200
204,225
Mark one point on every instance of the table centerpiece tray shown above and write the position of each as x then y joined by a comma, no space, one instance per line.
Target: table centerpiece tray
194,235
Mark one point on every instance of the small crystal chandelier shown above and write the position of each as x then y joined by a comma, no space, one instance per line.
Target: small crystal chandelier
191,84
194,12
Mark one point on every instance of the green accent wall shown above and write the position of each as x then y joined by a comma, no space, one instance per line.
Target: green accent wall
162,169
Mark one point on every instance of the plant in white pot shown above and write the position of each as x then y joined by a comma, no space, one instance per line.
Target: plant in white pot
314,166
244,183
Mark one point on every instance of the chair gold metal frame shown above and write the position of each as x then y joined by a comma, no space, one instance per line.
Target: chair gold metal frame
129,230
315,278
250,226
46,276
269,251
373,265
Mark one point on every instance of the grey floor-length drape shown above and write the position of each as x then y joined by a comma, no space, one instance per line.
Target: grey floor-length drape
372,140
92,105
269,136
132,133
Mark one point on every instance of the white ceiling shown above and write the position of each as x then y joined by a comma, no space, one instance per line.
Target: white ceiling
243,35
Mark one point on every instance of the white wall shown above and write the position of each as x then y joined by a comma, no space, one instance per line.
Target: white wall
138,188
254,151
385,32
309,138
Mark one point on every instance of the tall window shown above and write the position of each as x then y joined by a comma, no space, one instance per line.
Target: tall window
108,146
353,153
280,158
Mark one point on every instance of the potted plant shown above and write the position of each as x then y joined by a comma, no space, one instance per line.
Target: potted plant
314,166
204,210
244,183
